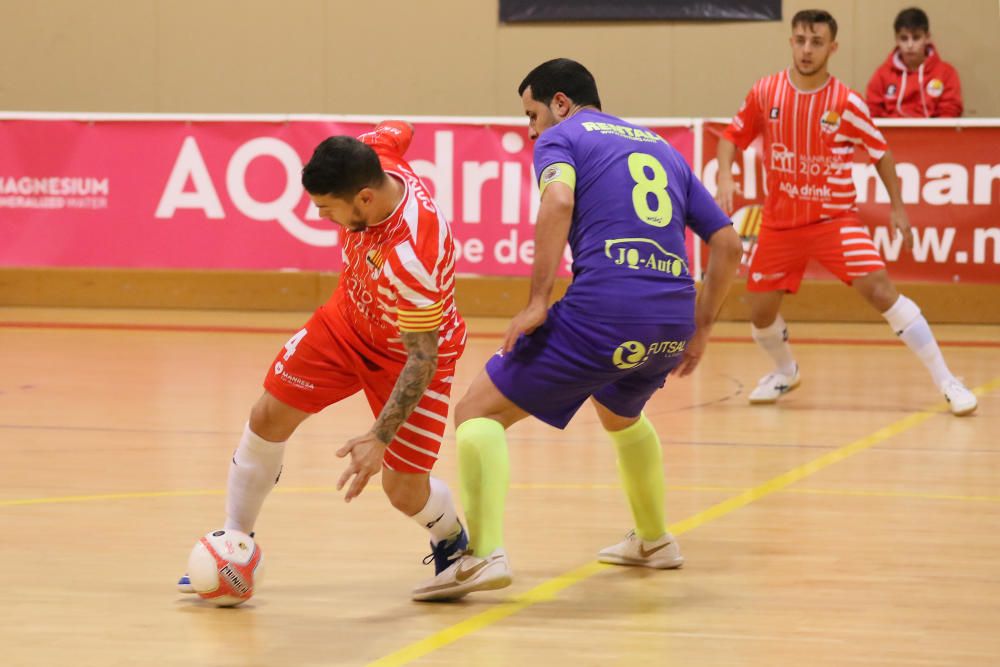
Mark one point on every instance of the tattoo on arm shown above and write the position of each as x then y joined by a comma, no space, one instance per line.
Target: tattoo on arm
421,362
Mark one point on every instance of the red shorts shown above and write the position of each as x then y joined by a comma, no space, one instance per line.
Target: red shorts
326,361
842,245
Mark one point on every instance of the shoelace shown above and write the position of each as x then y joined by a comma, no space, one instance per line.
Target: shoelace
429,558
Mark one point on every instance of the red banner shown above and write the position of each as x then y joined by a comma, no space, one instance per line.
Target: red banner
950,179
227,195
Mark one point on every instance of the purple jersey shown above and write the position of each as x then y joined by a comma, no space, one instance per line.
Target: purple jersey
634,197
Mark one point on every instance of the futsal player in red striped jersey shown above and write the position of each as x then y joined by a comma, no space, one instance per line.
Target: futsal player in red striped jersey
811,124
391,330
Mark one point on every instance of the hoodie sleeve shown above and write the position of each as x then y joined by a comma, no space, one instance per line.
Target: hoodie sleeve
875,95
950,104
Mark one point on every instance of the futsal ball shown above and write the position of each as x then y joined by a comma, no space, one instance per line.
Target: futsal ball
225,567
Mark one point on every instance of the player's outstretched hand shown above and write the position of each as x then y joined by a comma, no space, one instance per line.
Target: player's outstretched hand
692,354
529,319
899,220
366,461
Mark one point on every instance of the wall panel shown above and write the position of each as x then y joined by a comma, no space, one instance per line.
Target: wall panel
440,57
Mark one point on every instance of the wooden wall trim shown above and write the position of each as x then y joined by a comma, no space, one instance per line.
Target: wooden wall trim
818,301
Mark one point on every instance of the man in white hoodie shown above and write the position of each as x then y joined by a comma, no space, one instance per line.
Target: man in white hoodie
914,82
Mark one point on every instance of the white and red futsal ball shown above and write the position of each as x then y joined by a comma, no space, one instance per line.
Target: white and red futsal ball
225,567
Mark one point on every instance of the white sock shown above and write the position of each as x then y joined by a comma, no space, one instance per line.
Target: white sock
774,340
253,473
912,328
439,516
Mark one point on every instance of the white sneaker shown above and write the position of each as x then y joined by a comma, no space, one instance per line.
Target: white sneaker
663,554
960,400
774,385
467,574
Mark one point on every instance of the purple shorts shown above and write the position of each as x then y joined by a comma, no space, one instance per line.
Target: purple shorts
552,371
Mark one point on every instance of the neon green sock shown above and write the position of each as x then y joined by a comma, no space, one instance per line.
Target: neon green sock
484,471
640,467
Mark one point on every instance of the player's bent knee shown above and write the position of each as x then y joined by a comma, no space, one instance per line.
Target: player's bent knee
484,400
764,308
476,403
763,321
274,421
612,421
406,492
465,410
878,290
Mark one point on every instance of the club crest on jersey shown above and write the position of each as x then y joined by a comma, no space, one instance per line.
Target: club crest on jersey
891,90
374,260
935,87
773,115
830,122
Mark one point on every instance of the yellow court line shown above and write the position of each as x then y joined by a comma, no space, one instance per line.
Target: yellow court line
549,589
893,494
55,500
876,493
978,391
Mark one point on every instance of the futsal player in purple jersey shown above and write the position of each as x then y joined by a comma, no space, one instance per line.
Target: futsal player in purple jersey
622,197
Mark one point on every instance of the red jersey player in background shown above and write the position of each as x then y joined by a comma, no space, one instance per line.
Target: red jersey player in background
914,82
811,124
390,329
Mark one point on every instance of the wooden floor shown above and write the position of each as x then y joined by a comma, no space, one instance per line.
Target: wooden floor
857,523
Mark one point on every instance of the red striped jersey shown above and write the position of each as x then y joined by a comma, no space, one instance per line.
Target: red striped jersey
399,275
809,141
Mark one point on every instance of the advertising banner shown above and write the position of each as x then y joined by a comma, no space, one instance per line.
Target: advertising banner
198,193
950,180
216,194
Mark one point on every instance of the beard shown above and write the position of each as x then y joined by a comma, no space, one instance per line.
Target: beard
357,223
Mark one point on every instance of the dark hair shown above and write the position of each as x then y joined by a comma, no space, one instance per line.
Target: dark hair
912,18
811,17
341,166
565,76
